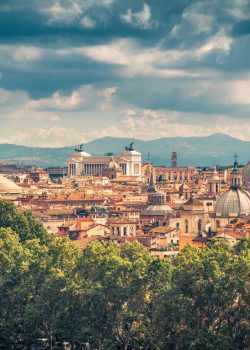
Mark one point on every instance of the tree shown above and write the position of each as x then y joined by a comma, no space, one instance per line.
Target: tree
120,297
13,267
208,299
24,224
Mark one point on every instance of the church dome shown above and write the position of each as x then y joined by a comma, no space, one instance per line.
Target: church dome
233,203
158,210
8,186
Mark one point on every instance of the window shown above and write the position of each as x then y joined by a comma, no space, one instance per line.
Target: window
177,225
186,226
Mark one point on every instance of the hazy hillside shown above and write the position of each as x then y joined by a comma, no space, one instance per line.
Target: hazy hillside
216,148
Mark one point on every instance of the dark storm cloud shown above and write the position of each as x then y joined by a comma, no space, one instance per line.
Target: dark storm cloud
178,55
241,28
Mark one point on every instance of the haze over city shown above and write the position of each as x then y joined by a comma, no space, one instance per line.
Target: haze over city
73,71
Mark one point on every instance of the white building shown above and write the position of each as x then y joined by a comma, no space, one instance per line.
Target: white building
82,163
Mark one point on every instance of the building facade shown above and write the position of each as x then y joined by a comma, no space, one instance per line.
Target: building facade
83,163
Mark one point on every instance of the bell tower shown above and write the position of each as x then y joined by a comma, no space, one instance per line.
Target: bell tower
214,183
235,175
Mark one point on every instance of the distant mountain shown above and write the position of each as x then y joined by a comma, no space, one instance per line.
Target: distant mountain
197,151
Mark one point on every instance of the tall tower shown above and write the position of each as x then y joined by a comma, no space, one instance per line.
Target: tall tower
235,175
214,183
174,159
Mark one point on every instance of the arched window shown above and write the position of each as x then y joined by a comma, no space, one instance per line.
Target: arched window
186,226
118,231
125,231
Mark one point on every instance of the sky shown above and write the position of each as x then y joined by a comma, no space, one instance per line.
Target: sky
75,70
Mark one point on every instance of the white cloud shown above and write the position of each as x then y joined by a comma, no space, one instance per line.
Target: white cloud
220,42
142,124
86,97
140,61
27,53
141,19
18,106
87,22
67,12
238,9
194,20
107,97
57,101
234,91
44,137
150,124
19,54
63,12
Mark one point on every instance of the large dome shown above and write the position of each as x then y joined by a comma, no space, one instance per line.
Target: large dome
233,203
162,209
8,186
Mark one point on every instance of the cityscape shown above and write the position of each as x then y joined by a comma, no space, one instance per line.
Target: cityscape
124,175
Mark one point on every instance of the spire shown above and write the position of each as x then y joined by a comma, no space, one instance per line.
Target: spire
235,167
235,175
151,187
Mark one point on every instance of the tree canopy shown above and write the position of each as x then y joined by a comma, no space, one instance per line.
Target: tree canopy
119,297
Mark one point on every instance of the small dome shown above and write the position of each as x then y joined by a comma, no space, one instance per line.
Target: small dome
158,210
233,203
8,186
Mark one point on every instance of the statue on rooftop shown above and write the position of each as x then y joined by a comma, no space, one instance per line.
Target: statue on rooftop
80,148
130,148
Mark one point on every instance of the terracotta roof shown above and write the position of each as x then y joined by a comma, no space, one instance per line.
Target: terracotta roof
163,229
83,242
121,221
233,234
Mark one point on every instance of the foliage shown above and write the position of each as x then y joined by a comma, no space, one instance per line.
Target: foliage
119,297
